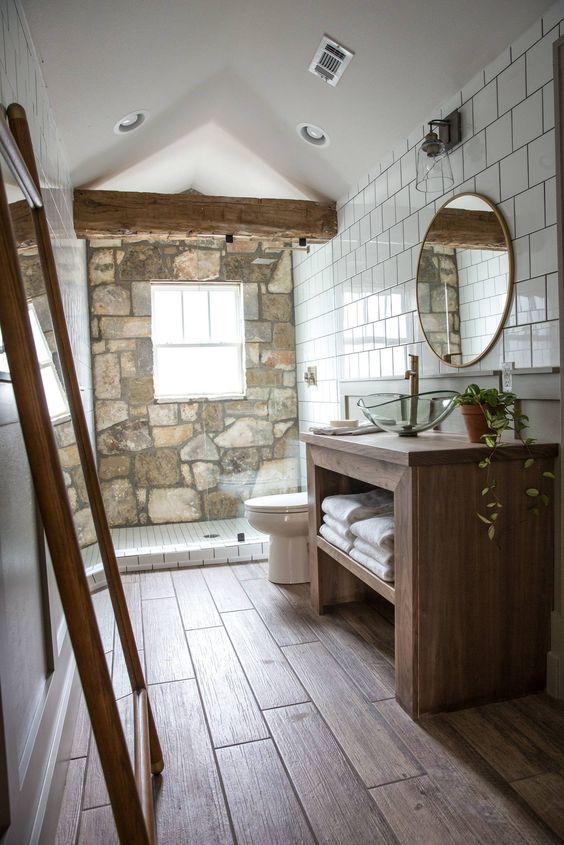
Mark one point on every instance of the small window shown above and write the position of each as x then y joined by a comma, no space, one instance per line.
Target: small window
54,391
198,340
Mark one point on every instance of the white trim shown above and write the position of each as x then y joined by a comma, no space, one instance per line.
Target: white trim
61,716
555,658
30,740
61,634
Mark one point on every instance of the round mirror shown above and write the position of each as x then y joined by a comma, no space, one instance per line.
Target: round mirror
464,279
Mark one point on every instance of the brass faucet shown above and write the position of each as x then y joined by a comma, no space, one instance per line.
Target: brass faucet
413,375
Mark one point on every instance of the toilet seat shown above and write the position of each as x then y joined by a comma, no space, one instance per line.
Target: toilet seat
283,503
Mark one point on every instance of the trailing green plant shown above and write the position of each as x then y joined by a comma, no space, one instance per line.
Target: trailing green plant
502,413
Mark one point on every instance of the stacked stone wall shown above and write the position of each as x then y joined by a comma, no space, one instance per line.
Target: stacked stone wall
190,460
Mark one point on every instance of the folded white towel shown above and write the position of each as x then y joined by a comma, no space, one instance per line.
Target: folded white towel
386,573
379,553
359,429
356,506
335,539
342,528
378,531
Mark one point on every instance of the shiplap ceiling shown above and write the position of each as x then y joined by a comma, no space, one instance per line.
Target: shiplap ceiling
226,83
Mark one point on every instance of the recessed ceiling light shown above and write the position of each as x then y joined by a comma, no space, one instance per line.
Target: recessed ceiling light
131,121
313,134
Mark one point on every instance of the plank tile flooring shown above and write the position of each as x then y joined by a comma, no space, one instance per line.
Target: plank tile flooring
280,727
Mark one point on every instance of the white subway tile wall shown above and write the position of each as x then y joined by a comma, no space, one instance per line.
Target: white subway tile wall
355,303
21,81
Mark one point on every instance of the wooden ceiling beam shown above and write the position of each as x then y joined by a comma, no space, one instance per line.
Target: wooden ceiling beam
462,228
102,214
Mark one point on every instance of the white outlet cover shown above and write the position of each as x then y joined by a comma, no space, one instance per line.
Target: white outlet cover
507,375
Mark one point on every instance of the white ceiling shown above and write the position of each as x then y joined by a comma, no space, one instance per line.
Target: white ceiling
226,83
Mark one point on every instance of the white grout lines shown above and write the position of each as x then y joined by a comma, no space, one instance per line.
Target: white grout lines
179,545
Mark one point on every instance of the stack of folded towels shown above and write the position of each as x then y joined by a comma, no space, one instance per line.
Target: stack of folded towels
362,525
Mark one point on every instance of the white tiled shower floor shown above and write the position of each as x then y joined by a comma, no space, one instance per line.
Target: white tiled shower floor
180,544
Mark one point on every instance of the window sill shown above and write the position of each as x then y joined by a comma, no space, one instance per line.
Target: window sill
63,418
229,397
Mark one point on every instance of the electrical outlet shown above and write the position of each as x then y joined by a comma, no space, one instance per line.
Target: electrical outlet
507,376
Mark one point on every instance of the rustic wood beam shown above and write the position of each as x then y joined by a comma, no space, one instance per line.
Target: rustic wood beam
467,229
121,213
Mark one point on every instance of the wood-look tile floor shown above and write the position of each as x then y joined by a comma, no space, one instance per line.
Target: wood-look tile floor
279,727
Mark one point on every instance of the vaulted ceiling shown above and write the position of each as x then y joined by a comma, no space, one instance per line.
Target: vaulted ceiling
226,83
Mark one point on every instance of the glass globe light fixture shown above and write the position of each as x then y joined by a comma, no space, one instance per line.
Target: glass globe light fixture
434,170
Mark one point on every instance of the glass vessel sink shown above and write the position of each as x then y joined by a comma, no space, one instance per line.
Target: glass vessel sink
408,415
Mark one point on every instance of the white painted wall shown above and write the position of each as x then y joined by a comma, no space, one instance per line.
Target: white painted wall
355,302
33,701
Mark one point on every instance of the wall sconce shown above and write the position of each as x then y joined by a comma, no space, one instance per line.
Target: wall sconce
434,172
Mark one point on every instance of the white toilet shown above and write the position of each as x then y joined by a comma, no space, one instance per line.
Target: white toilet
285,518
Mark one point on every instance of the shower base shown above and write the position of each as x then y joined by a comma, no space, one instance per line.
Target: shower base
180,544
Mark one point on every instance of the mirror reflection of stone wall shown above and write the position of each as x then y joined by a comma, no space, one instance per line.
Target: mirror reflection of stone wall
439,303
463,282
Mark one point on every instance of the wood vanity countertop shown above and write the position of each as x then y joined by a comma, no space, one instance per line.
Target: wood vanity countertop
427,449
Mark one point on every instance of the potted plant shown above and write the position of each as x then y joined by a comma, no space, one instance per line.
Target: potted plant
479,408
488,413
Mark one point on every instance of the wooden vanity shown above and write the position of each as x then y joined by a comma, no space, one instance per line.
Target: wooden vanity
472,616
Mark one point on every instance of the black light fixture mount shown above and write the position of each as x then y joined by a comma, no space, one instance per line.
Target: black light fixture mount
434,171
449,129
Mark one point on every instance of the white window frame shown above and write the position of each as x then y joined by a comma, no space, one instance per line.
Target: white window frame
156,284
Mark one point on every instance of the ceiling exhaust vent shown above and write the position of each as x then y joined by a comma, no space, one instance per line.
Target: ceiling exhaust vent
330,60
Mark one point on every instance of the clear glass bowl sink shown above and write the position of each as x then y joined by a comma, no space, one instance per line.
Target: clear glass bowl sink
408,415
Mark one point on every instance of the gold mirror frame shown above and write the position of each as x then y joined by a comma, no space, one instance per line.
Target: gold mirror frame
510,278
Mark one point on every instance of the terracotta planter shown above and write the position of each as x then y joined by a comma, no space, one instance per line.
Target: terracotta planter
476,423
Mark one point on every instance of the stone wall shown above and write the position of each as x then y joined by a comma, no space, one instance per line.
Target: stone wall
34,284
192,460
438,296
